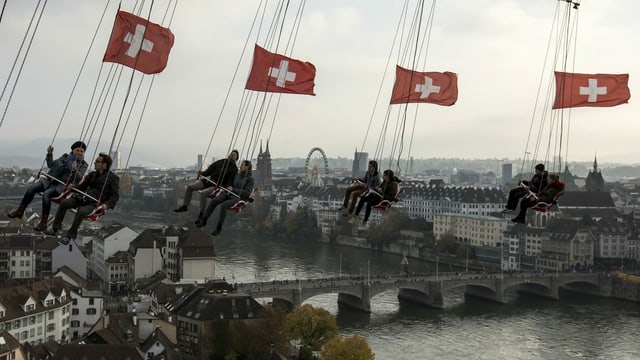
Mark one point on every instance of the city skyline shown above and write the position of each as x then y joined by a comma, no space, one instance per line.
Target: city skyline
487,42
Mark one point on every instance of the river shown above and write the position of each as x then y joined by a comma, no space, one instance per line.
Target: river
576,326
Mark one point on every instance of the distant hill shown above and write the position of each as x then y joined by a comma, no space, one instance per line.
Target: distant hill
30,154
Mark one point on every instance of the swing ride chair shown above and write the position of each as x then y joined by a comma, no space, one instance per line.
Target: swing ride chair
541,206
384,204
239,205
93,215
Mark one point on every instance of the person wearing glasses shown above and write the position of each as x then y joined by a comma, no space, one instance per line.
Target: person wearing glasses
100,189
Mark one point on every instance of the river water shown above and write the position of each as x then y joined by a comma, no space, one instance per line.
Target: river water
576,326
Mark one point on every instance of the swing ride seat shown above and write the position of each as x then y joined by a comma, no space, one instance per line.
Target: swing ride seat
95,214
385,205
544,206
241,203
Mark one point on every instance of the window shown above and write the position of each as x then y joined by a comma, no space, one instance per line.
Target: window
91,301
1,314
75,324
75,302
51,327
75,311
49,302
51,314
91,311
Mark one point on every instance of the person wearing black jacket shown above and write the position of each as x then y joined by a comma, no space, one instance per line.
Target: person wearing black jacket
100,188
536,185
220,172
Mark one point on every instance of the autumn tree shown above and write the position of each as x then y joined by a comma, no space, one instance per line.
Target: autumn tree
353,347
312,326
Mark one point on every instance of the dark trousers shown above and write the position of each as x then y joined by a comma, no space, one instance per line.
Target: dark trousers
514,196
524,205
84,207
371,200
225,201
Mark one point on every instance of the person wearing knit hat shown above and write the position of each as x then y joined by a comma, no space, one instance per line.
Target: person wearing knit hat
537,183
66,170
79,144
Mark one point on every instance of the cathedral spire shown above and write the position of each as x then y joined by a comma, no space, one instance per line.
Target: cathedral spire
595,163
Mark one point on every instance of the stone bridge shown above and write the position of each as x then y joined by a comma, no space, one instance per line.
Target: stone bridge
429,290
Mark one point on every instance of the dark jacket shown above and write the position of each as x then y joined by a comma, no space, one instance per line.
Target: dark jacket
222,172
389,190
537,182
243,184
94,185
550,192
65,174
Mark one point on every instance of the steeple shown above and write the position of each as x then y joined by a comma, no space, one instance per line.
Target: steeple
595,163
267,149
260,152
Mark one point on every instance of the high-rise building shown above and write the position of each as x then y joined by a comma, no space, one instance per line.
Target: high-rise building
116,156
199,162
507,173
359,163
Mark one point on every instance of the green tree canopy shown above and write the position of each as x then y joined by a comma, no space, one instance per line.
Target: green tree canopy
312,326
354,347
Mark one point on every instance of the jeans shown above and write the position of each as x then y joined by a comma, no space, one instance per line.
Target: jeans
48,193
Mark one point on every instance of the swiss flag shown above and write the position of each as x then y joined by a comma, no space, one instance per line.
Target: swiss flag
280,74
424,87
139,44
574,90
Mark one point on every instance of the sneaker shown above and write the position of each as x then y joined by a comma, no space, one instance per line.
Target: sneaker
341,208
182,208
215,232
64,241
353,220
201,222
363,226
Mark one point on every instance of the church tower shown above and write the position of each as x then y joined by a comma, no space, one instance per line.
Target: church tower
264,176
594,181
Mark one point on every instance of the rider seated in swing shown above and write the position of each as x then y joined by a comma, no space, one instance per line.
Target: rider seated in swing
388,191
547,196
371,180
222,171
68,169
242,188
537,183
100,190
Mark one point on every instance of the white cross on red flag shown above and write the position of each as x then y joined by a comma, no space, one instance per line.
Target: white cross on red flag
139,44
280,74
598,90
424,87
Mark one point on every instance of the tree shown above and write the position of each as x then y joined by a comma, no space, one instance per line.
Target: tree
354,347
312,326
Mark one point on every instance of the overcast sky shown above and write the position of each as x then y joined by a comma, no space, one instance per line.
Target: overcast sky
497,48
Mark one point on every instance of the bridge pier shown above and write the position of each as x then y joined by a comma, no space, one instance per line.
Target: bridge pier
432,296
362,303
